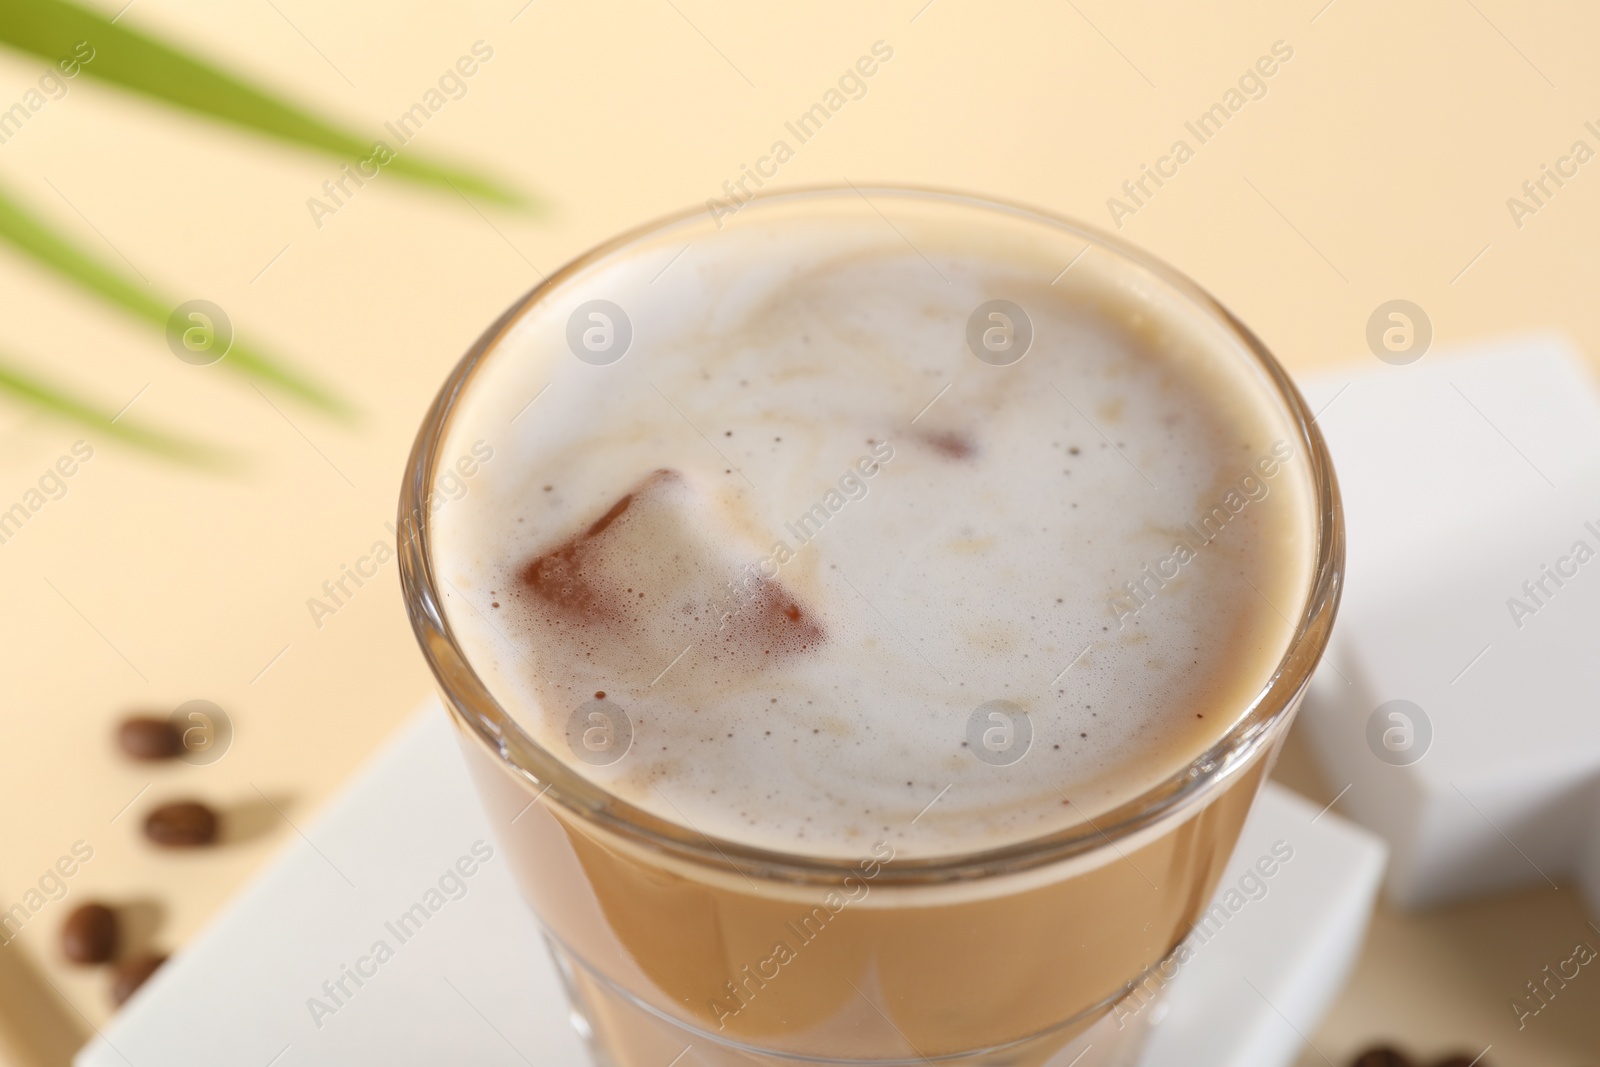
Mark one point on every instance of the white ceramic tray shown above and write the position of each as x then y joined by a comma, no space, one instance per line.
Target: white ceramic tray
474,986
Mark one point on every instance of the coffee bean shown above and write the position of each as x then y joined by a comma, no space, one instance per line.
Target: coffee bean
149,739
1382,1056
181,824
132,973
90,934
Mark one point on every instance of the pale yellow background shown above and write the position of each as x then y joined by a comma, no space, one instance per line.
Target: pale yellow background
1377,166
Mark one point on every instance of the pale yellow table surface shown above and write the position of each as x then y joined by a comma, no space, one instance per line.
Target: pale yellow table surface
1377,165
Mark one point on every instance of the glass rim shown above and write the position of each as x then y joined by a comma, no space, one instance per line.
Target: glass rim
469,700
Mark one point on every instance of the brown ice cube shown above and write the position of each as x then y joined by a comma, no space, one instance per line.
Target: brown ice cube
652,577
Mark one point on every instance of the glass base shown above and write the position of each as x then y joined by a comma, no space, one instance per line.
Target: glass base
621,1031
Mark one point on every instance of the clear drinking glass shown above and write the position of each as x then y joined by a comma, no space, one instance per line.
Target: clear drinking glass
1040,951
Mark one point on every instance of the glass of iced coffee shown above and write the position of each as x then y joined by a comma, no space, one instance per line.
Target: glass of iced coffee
873,626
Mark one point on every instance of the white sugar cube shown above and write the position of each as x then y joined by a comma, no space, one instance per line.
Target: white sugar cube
1459,699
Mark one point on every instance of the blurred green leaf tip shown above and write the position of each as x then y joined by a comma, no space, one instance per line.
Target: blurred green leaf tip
53,29
27,234
59,402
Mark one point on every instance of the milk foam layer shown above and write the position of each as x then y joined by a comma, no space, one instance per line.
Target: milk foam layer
798,535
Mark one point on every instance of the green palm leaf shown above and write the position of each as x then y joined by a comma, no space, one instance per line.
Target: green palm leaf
26,233
80,39
63,404
52,28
